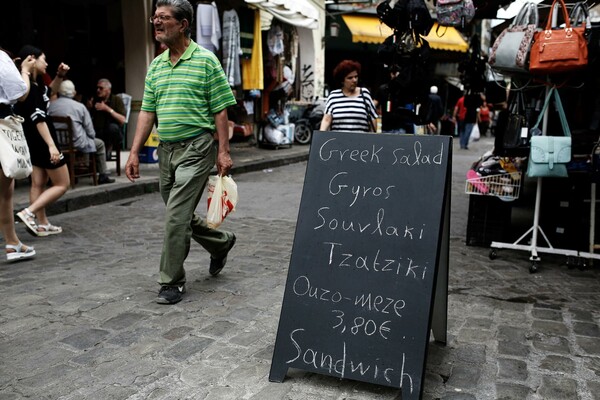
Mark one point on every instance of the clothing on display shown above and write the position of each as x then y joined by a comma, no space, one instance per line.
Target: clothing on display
208,27
252,68
247,34
231,47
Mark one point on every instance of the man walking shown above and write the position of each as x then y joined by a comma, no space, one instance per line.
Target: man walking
186,94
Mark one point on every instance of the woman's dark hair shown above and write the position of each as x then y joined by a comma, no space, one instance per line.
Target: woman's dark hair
29,50
344,68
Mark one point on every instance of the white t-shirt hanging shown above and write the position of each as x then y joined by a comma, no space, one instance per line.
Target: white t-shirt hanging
208,27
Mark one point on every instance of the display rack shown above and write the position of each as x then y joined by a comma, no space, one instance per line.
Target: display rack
533,246
506,186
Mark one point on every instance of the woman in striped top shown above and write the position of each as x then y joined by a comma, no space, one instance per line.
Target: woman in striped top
350,108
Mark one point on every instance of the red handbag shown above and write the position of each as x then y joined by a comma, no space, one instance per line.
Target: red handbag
556,50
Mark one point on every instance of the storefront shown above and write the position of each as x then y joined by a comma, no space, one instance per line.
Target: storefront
276,36
113,39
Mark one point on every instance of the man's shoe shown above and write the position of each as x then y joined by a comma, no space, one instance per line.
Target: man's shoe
170,294
217,264
102,179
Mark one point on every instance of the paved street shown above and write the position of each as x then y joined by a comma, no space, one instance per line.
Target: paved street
81,322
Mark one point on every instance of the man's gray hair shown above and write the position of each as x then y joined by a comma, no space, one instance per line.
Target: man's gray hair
105,82
182,9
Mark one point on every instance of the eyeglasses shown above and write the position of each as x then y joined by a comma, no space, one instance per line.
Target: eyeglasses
100,88
161,18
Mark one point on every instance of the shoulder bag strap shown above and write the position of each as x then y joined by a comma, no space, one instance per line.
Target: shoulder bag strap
543,110
561,112
517,105
367,111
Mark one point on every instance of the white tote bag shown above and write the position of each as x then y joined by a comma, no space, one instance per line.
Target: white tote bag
14,153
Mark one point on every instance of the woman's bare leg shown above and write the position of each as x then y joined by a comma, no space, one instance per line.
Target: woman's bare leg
40,196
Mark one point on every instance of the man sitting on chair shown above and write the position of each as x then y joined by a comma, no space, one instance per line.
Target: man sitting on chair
84,136
108,113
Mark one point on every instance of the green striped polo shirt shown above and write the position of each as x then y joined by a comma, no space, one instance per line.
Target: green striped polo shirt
185,96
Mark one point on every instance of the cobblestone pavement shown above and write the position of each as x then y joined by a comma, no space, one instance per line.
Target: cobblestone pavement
81,322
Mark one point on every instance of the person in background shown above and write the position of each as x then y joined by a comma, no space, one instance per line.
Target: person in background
108,114
458,117
14,86
48,162
187,151
435,111
472,102
84,136
483,117
351,107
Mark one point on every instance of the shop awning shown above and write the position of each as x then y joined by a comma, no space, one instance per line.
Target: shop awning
368,29
450,40
299,13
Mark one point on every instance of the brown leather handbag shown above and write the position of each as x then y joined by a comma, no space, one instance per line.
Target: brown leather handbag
557,50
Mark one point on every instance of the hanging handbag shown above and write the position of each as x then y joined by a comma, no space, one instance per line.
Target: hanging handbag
550,154
510,52
516,126
556,50
14,153
420,20
393,13
454,12
512,129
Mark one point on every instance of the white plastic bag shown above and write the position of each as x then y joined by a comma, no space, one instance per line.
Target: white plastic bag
222,199
14,153
475,134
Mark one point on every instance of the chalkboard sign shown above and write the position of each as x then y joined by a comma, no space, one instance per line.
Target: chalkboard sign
370,255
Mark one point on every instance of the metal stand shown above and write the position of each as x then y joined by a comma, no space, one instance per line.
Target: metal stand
592,243
533,245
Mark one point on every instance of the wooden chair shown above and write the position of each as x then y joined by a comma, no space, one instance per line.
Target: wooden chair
80,164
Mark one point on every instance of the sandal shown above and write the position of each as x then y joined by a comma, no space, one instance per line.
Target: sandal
18,252
28,219
47,230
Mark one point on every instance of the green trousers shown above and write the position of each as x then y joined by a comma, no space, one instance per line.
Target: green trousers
184,169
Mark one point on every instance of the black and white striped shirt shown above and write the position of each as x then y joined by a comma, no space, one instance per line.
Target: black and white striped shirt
350,113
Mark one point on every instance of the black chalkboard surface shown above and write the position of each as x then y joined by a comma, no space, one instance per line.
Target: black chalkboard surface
370,255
